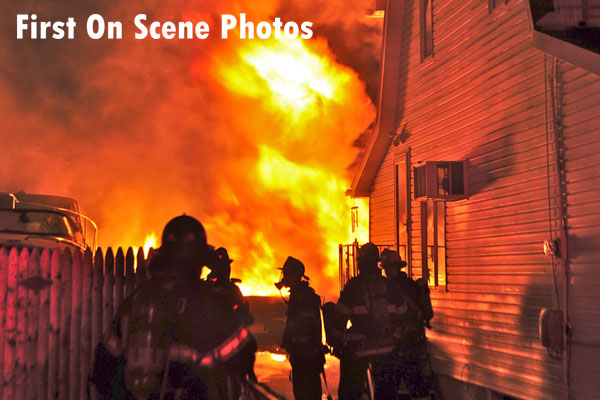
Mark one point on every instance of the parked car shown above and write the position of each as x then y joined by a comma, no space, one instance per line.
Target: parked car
38,220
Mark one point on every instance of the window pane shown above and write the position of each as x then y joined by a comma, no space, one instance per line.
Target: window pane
441,242
430,223
441,223
401,210
425,251
428,29
430,266
441,273
442,179
419,180
457,178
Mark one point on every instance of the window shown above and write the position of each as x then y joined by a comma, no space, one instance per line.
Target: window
426,29
402,179
433,244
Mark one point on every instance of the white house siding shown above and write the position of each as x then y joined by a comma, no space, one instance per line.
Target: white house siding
484,97
579,96
382,205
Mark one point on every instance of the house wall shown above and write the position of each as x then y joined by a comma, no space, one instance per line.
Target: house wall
484,96
579,100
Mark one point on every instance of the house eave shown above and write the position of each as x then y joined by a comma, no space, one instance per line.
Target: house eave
386,111
585,59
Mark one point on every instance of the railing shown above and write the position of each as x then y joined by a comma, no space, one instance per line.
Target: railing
348,265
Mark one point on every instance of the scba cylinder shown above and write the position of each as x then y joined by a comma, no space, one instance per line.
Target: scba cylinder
264,29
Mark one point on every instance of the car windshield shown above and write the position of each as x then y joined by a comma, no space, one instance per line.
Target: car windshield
40,222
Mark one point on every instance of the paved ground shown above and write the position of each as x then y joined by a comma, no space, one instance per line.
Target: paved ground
274,370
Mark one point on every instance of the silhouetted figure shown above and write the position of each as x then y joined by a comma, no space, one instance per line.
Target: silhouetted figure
175,337
222,283
302,336
408,329
369,302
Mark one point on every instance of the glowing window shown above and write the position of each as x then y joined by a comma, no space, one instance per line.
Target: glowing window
433,234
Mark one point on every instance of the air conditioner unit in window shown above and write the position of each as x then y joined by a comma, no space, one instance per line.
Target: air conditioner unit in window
441,180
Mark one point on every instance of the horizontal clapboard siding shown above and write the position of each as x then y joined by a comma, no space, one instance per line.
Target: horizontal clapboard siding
484,97
382,205
579,97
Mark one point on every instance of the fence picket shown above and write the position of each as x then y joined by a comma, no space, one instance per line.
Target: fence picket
10,337
65,324
129,272
97,304
86,322
33,314
75,328
108,293
44,327
119,275
140,271
53,332
21,344
3,299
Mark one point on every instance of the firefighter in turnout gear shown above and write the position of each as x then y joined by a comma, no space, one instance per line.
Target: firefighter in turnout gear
404,362
302,336
221,282
369,302
174,337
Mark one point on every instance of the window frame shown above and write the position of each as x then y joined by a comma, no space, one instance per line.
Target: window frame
435,251
403,157
426,21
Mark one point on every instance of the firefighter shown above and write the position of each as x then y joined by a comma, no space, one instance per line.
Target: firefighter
222,283
404,363
302,336
368,301
174,337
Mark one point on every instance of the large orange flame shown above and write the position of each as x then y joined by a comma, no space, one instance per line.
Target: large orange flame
252,137
303,161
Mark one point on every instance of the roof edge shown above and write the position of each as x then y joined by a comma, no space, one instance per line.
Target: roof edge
386,110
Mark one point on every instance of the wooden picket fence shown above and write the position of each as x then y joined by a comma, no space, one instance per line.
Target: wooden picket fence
54,308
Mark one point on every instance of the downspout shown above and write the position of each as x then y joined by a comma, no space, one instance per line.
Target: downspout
562,216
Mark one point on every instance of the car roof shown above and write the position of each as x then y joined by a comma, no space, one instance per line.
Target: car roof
33,201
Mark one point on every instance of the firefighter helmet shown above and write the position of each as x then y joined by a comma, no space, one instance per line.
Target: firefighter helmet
293,266
368,259
183,229
183,243
391,258
368,252
293,269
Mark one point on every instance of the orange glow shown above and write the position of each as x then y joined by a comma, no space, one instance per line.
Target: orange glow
278,357
296,78
263,162
254,138
309,105
150,242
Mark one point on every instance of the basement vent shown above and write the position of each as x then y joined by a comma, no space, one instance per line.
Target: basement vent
441,180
